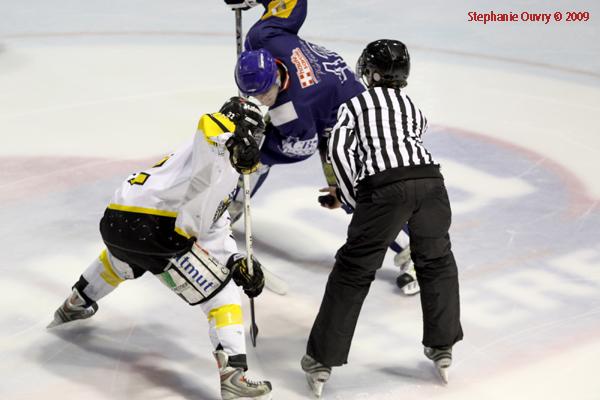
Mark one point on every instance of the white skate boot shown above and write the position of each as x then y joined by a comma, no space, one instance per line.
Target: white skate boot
316,374
73,309
442,358
407,280
235,385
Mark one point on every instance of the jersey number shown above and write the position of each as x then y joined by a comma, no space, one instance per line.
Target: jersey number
141,177
339,68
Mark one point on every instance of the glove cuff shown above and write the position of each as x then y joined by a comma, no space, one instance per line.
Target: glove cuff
233,259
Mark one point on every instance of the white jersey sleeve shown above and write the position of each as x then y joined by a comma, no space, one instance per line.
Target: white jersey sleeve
213,179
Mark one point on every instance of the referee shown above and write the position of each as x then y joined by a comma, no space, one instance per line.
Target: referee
385,173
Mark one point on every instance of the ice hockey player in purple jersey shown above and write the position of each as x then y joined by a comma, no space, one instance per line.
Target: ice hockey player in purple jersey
303,84
304,96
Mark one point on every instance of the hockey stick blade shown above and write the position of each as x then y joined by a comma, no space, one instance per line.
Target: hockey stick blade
274,283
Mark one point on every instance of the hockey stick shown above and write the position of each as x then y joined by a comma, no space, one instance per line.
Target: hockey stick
246,178
274,283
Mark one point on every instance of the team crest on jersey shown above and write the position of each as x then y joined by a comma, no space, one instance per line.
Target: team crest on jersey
304,70
223,206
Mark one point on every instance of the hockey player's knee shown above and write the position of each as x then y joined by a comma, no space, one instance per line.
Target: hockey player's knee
226,315
114,271
226,328
103,275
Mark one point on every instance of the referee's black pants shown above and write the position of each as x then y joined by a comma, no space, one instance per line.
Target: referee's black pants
378,218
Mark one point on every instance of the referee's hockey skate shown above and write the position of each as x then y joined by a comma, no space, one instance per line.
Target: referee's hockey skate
442,358
73,309
316,374
235,385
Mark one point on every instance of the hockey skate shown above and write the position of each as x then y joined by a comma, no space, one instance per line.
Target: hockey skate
442,358
73,309
235,385
316,374
407,280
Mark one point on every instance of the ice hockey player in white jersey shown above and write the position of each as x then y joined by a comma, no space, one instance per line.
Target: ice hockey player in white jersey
172,221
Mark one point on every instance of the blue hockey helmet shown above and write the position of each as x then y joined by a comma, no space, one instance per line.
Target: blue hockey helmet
255,72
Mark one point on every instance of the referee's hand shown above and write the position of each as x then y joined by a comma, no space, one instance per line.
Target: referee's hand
330,199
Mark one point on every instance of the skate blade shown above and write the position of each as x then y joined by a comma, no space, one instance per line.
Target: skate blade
315,385
443,372
59,322
54,323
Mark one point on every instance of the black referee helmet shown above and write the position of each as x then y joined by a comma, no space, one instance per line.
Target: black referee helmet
384,62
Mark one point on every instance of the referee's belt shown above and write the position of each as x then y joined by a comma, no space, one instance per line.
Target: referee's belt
392,175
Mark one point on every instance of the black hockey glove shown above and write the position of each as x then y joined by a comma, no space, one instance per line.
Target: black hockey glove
241,4
252,285
244,154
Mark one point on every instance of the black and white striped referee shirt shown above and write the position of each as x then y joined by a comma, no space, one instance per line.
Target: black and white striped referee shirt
378,130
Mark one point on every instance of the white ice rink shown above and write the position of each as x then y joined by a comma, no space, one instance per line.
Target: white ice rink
91,91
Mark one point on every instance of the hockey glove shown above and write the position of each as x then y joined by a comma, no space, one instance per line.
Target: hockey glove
243,151
252,284
241,4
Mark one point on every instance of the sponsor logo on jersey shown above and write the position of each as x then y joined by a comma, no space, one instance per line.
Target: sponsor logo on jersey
202,281
304,70
299,148
223,205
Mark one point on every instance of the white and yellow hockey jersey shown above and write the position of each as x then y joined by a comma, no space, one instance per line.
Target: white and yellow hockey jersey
193,185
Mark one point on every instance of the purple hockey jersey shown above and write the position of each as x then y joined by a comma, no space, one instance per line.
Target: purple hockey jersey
319,82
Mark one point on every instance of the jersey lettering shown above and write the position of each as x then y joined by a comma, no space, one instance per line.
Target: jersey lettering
299,148
305,73
162,162
139,178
